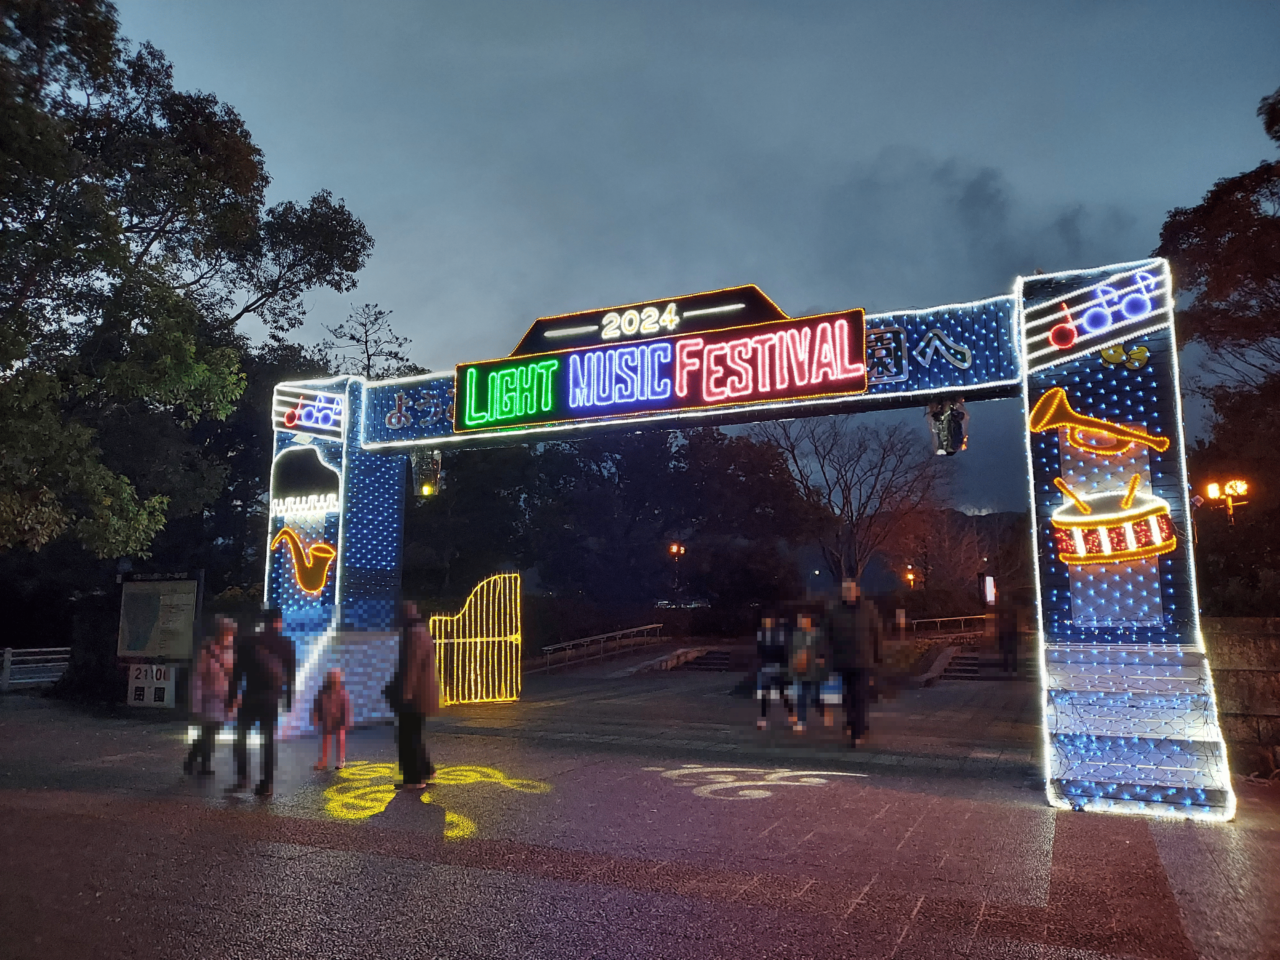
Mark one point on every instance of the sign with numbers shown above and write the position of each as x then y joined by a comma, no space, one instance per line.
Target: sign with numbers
152,685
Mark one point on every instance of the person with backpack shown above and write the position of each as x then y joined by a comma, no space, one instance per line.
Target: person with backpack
808,669
265,663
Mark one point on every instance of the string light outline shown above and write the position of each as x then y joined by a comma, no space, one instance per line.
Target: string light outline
1226,812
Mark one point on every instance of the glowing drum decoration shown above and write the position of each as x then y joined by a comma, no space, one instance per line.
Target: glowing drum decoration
1114,527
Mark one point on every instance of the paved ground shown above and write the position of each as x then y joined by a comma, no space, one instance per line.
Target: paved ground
601,817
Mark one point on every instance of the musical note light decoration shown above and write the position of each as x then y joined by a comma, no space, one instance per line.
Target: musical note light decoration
478,649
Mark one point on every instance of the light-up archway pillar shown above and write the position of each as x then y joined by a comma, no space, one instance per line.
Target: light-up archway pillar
1130,721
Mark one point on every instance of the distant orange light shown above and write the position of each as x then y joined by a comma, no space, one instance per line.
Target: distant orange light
1213,491
1236,488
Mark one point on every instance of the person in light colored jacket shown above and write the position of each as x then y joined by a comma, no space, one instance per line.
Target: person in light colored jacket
209,684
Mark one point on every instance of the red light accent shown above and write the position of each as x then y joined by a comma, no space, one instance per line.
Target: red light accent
291,416
1092,540
1117,539
1063,336
1165,524
1142,534
817,357
688,359
1066,542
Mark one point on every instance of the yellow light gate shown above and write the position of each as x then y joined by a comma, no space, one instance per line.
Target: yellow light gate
478,651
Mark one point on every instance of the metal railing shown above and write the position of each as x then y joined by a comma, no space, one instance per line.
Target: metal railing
597,647
30,668
954,624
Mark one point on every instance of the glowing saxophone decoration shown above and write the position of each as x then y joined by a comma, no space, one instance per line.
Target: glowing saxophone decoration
310,566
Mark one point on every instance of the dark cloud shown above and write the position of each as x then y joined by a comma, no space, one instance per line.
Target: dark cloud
917,230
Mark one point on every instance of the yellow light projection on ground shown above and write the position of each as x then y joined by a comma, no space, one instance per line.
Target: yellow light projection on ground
478,651
368,788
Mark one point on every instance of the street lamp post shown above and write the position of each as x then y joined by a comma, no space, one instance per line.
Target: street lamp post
676,550
1231,491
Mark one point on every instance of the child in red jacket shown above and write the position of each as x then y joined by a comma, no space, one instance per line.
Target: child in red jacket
331,713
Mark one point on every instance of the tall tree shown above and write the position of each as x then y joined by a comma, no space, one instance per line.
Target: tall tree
1226,258
1225,253
133,239
866,481
368,346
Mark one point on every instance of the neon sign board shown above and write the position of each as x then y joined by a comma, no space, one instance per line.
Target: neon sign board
791,360
319,414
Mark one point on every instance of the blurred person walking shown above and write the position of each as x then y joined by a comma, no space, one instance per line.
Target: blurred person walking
209,684
414,694
331,713
1007,636
853,630
808,669
773,649
266,664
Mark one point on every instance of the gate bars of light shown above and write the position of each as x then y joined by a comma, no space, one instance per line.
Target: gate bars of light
478,649
1130,721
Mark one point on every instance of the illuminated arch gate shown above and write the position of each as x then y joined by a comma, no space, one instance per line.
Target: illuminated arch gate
1130,722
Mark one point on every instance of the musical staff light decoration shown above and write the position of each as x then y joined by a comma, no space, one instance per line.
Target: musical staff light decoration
478,649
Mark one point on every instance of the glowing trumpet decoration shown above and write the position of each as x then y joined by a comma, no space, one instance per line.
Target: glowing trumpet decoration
1053,411
310,564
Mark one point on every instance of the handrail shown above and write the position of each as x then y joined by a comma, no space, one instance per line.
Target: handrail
915,624
569,644
631,637
32,666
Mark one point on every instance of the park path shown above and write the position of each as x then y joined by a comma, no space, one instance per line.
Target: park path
609,818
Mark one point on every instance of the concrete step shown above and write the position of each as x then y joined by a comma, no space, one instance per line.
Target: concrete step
982,666
720,661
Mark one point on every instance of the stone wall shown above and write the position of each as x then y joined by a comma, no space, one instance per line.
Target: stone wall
1245,655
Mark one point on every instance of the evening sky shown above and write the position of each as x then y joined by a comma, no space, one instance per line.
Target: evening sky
521,159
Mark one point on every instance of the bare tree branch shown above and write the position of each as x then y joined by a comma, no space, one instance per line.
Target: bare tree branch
869,481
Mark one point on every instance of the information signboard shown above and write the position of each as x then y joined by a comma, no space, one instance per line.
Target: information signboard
157,619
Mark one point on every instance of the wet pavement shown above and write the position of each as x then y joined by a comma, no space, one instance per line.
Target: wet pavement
614,817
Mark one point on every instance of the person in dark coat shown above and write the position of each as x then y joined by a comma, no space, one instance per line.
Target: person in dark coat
414,694
265,664
853,632
773,649
1007,636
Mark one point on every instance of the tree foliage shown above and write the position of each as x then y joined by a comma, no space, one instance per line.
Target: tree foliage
1226,259
1225,254
596,517
133,238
